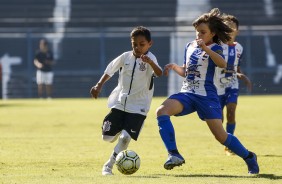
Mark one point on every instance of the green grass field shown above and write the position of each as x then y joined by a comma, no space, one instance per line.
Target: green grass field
59,141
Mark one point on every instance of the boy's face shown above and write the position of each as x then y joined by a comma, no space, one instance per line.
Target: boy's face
203,32
140,45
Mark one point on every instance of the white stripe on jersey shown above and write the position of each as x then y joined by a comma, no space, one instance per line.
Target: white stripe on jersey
225,78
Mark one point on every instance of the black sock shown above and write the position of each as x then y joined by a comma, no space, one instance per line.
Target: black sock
173,152
249,156
114,154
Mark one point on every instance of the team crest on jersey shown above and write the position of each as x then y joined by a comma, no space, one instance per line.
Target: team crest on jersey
107,126
232,52
142,66
219,52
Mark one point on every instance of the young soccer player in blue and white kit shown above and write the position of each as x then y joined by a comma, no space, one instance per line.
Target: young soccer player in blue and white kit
198,92
130,101
226,79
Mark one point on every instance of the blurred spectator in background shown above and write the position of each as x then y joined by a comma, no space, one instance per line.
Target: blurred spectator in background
44,63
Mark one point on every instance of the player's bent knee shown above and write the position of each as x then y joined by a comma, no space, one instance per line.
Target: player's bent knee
125,137
160,111
108,138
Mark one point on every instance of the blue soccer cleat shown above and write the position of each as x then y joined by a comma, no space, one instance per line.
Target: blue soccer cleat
173,160
252,164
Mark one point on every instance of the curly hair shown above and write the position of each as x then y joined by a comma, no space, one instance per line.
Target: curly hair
215,22
141,30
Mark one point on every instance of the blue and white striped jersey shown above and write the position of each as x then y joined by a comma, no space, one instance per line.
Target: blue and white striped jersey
200,70
227,77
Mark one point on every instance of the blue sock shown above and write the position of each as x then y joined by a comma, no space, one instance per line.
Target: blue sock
235,146
230,127
167,132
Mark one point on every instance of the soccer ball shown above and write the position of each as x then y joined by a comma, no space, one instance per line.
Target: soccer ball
127,162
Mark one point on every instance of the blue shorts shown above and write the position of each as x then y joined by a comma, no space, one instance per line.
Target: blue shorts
230,96
206,107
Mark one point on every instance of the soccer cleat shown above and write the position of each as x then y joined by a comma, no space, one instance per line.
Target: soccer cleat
173,160
252,164
228,152
107,170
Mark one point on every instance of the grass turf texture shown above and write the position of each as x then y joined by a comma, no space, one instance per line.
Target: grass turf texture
59,141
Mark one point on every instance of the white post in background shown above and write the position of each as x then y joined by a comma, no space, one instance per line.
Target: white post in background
61,16
186,11
269,8
6,61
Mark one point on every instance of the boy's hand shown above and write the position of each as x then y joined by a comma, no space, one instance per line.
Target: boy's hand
200,42
39,65
145,59
168,67
95,91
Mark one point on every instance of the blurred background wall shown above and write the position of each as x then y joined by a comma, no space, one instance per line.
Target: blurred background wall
85,35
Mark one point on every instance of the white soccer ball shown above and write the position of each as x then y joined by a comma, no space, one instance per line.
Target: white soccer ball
127,162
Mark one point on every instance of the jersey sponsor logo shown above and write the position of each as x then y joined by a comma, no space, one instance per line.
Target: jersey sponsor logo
197,52
107,126
191,85
225,80
192,71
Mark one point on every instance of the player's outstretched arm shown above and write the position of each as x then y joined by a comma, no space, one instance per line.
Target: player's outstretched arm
95,90
180,70
244,78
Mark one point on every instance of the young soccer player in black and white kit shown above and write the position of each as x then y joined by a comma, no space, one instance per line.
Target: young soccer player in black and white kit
226,79
130,101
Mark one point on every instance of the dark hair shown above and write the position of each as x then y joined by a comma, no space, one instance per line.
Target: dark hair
215,22
231,18
143,31
45,42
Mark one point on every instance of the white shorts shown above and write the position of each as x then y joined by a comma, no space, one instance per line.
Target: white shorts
44,77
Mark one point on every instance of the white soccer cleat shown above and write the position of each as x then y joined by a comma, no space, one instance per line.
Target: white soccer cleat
173,161
107,170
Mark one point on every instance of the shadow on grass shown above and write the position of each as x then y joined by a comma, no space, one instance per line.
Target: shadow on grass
265,176
19,104
11,104
148,176
270,155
